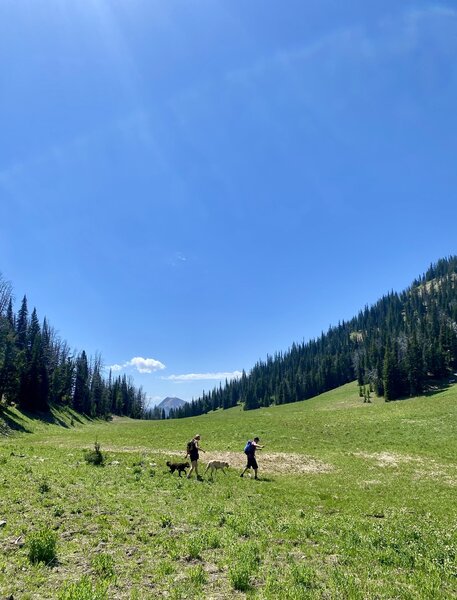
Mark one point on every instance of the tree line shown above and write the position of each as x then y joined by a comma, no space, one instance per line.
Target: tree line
395,348
38,369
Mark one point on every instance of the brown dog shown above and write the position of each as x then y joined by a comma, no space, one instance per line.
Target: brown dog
214,465
180,467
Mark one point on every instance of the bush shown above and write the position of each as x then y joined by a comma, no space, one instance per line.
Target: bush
42,546
197,575
239,577
165,521
103,565
194,548
244,563
95,456
44,487
84,590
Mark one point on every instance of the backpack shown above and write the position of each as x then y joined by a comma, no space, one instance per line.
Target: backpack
190,446
248,447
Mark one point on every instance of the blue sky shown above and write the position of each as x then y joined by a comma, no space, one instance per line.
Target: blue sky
187,186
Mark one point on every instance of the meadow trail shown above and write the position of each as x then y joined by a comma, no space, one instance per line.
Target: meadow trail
269,462
354,503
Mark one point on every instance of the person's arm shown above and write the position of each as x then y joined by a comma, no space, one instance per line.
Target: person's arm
200,449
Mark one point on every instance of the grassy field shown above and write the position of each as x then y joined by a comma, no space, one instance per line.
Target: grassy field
355,501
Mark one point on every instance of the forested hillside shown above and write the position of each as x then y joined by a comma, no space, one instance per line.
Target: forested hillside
395,347
38,368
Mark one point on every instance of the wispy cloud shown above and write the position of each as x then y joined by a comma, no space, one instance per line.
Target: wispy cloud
351,40
204,376
177,259
142,365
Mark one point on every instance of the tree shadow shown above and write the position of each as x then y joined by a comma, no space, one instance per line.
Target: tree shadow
431,388
16,421
435,387
12,421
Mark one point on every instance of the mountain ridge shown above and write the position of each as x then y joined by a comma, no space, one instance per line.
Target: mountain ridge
393,348
170,402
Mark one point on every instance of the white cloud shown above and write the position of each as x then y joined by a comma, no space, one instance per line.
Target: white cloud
142,365
146,365
204,376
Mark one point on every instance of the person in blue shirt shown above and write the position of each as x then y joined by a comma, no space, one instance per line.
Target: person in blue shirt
250,451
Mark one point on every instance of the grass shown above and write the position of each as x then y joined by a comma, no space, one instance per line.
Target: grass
370,515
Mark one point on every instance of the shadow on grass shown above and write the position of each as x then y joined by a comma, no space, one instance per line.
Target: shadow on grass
435,387
13,421
431,388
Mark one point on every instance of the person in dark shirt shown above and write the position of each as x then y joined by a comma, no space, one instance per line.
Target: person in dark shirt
250,454
193,449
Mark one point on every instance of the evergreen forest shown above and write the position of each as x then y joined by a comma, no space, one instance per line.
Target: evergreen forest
38,369
394,348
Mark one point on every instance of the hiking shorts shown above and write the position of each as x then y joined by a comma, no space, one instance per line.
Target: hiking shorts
252,463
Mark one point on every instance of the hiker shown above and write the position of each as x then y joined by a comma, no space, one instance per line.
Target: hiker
249,450
192,452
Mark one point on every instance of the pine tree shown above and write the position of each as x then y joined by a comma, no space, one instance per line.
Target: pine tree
81,396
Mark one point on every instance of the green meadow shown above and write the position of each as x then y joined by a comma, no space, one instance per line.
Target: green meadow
355,500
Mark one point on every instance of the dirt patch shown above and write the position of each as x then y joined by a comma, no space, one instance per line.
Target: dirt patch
273,462
423,467
269,462
387,459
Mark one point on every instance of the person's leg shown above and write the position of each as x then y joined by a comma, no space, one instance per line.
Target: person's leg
255,466
192,469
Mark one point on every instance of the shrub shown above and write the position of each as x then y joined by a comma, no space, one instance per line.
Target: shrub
194,548
44,487
197,575
244,563
239,576
303,576
84,590
42,546
103,565
165,521
95,456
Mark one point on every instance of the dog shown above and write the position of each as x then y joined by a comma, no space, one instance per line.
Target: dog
180,467
214,465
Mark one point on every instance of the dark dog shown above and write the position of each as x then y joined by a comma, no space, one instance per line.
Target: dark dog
180,467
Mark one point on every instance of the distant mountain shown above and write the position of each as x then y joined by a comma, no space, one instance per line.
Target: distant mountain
168,403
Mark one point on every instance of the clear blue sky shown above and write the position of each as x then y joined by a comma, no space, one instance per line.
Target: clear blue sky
200,183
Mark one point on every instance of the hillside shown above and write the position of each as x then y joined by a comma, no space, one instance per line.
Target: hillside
356,500
395,347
